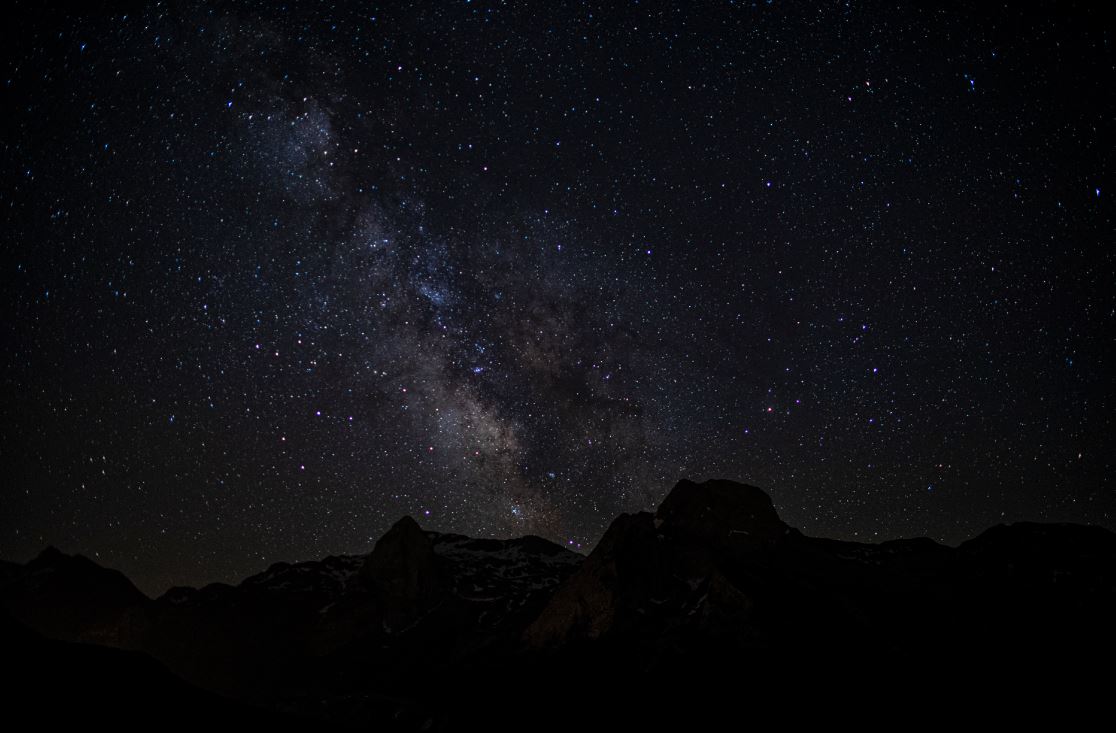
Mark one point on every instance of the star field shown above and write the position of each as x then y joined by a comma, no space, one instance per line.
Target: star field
275,276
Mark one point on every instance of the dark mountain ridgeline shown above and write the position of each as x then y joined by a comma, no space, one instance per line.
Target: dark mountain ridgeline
710,604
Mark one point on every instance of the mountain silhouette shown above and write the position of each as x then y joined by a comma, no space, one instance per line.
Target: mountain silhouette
712,606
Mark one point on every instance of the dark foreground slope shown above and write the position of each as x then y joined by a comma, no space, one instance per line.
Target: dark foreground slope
711,608
51,684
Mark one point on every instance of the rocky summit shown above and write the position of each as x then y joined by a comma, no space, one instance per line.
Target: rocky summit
710,593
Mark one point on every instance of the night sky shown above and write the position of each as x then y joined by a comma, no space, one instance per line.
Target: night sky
274,277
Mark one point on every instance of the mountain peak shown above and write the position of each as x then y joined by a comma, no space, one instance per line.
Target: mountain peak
50,554
406,523
404,571
405,545
720,511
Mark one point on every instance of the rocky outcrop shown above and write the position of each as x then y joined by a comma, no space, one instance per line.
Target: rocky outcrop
730,517
681,567
417,598
405,574
716,566
713,580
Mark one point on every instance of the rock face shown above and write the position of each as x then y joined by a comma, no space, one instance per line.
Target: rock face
404,573
733,518
716,567
418,598
415,633
658,574
624,569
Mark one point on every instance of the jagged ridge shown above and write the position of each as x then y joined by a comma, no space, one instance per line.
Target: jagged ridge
713,574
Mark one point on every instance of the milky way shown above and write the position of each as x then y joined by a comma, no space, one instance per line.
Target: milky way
275,278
